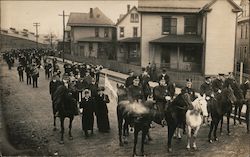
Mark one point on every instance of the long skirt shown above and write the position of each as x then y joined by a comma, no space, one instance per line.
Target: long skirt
103,122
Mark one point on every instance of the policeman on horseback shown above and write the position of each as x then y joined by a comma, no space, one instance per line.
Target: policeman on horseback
218,83
188,89
135,92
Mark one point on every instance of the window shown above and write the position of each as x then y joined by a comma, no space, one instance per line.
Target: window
190,25
241,31
134,17
121,32
169,25
96,32
90,47
191,54
246,35
106,32
135,31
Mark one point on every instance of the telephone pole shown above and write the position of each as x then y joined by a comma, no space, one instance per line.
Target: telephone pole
63,15
36,24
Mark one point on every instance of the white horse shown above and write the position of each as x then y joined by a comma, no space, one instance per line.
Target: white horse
194,119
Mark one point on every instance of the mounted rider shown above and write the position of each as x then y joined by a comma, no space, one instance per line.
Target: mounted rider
188,89
135,92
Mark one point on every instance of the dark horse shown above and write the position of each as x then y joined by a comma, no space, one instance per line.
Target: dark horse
127,115
220,105
66,106
238,92
175,115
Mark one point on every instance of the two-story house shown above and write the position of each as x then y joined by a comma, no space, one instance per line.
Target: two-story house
92,34
190,36
128,36
243,37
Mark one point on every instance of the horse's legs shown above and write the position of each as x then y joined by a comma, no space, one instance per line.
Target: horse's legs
135,141
239,112
221,123
228,121
62,129
54,129
235,113
189,129
215,129
171,130
120,131
210,131
144,133
194,136
70,127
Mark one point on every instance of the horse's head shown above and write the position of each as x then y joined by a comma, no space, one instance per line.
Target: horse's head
183,100
122,92
200,105
237,91
228,94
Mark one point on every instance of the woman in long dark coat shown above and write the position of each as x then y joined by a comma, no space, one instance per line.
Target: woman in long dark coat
101,111
87,104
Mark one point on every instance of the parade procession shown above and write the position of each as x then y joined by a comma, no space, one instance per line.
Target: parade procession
168,78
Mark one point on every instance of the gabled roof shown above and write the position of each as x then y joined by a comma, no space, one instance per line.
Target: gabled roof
122,17
187,6
84,19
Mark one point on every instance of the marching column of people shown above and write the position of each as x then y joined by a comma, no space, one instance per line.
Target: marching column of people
83,83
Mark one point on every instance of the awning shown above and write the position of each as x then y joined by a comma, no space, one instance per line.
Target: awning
179,39
131,40
94,39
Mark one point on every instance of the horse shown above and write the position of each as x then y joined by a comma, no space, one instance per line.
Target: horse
239,101
220,105
175,114
194,119
66,106
138,115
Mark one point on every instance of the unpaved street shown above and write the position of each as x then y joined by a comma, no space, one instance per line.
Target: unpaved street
28,116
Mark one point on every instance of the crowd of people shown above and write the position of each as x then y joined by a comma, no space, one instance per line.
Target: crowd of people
82,83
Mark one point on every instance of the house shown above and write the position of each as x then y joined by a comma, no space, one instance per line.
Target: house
92,35
128,36
243,38
184,35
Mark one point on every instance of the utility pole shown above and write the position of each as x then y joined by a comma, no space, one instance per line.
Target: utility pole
63,15
36,24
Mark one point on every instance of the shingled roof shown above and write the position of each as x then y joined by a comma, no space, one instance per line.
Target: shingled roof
190,6
85,19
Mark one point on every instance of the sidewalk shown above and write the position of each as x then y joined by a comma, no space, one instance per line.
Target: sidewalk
120,78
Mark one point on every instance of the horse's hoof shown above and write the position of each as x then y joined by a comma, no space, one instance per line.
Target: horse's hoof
210,141
70,137
216,139
195,148
170,150
54,129
229,134
125,142
61,142
179,138
135,155
188,148
221,133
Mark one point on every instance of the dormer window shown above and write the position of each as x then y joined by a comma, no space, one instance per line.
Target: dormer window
134,17
121,32
96,32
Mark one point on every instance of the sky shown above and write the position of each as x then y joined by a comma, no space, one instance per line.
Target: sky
22,14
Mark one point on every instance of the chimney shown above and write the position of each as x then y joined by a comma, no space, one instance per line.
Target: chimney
91,15
128,8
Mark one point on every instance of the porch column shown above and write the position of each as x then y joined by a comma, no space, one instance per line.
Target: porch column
178,57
